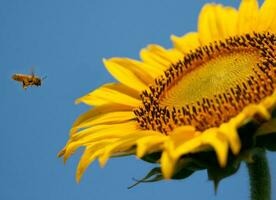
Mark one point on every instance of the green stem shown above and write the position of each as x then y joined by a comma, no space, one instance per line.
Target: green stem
260,186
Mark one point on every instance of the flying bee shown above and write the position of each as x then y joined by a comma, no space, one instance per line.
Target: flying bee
28,80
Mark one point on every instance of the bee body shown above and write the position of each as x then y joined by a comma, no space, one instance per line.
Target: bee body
27,80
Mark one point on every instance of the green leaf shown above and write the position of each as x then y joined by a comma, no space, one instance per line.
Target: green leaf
153,176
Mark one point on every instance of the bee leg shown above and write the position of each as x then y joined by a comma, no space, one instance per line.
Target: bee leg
24,85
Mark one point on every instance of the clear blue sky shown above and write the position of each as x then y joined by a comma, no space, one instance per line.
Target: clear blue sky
66,40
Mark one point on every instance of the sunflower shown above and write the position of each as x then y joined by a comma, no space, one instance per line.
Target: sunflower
178,104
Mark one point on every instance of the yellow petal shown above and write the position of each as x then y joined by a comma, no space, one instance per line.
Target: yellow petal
273,26
209,138
127,74
219,143
252,110
69,149
186,43
229,130
98,133
227,18
103,131
111,93
267,16
149,144
187,147
164,56
89,155
213,23
108,118
97,112
142,72
167,165
182,134
151,69
159,57
121,145
247,17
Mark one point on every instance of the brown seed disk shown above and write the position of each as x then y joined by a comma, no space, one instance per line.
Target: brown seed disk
211,84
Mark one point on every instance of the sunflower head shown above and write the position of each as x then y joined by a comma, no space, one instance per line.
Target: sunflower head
207,103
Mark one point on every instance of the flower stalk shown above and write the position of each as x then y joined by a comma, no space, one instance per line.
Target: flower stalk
259,175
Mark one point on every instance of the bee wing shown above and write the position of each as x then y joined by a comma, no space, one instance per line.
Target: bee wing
32,71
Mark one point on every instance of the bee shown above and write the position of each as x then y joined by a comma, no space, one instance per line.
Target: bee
28,80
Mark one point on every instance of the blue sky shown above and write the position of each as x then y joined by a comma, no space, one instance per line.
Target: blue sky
66,40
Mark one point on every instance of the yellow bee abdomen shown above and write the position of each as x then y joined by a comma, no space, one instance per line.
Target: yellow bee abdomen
20,77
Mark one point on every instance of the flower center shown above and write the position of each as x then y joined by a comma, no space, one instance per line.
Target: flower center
214,77
211,84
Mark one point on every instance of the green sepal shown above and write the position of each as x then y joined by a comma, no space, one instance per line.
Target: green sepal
191,162
266,128
152,157
182,174
273,113
267,141
266,135
216,173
